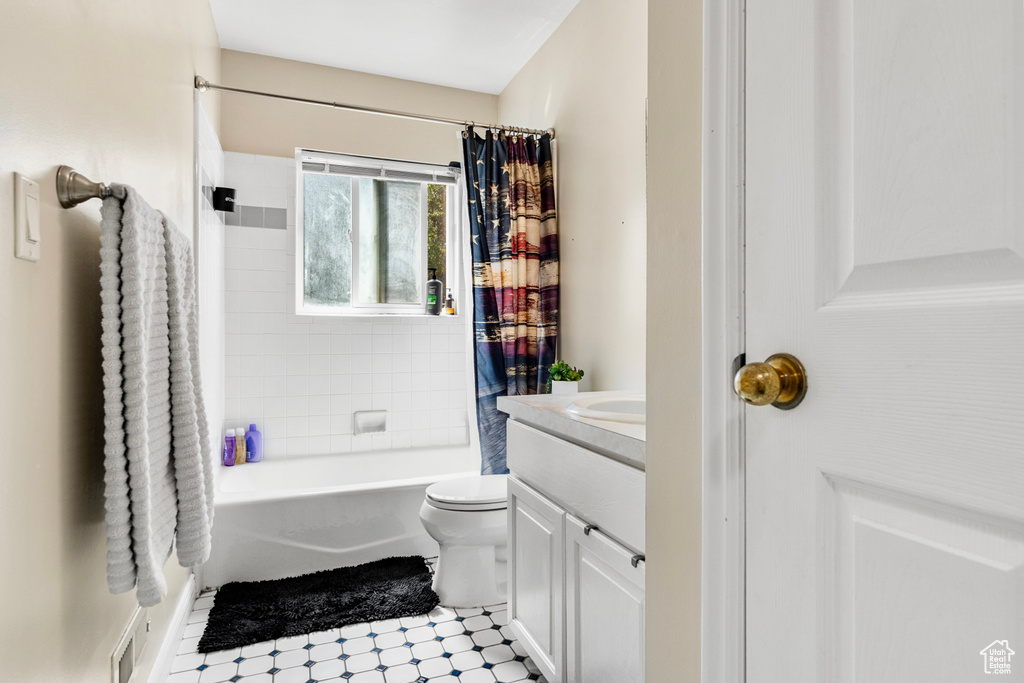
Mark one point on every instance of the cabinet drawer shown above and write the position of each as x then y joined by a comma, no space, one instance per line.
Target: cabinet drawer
604,607
602,491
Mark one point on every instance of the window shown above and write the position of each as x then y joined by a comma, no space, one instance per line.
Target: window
369,231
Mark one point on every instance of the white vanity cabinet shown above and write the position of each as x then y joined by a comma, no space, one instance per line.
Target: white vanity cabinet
576,569
604,608
536,544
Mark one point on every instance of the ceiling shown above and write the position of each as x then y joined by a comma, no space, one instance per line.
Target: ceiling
471,44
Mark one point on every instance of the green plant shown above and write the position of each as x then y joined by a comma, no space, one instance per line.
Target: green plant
563,372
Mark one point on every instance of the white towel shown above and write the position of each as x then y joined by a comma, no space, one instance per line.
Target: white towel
193,469
158,474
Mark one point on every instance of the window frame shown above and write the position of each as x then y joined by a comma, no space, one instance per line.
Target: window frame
448,176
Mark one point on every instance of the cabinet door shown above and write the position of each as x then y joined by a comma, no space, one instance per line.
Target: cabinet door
536,538
604,609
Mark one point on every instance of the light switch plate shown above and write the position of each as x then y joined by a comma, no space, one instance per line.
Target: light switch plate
26,218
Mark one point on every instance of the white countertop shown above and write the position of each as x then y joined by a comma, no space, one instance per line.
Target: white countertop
547,412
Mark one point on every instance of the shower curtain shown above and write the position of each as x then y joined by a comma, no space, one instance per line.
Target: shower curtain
514,244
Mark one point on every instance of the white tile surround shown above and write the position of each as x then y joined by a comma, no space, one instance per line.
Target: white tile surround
300,378
471,645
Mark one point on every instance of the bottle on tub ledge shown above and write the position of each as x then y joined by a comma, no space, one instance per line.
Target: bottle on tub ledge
253,444
239,446
228,457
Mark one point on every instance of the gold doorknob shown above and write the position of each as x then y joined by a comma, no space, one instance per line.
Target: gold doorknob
779,381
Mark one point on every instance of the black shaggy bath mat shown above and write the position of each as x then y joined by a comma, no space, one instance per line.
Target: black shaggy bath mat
247,612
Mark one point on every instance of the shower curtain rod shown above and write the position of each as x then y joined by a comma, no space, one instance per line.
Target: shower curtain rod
203,85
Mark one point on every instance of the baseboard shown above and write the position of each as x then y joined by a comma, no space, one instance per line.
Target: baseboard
175,630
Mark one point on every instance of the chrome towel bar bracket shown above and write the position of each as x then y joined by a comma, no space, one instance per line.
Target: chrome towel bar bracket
73,188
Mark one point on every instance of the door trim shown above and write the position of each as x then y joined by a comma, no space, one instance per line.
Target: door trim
722,240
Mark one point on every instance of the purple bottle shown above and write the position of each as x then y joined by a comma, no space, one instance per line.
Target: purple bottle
253,445
228,456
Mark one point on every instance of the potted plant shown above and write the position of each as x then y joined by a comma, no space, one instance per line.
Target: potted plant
564,378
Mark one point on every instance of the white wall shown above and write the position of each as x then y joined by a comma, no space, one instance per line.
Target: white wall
301,377
674,341
589,82
258,125
107,88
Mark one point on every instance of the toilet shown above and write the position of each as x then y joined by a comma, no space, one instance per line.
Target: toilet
467,517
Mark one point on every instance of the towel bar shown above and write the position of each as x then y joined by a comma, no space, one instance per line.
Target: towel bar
73,188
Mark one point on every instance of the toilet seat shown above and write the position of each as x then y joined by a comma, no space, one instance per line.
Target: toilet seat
479,493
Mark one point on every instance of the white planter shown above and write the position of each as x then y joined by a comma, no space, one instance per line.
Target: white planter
559,387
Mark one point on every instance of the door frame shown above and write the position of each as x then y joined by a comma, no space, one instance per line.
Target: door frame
723,625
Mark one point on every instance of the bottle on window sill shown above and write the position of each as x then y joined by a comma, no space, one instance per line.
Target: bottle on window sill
433,293
449,304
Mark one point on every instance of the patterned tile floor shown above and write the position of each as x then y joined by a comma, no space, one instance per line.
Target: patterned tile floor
471,645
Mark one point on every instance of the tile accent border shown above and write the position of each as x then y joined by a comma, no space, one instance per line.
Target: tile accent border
257,217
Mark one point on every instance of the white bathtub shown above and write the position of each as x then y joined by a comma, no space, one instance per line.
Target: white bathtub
293,516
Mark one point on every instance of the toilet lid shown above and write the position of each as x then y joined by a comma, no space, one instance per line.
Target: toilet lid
470,493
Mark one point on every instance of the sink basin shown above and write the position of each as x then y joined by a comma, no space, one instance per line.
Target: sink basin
631,408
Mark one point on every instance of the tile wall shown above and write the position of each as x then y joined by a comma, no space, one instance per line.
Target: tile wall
300,378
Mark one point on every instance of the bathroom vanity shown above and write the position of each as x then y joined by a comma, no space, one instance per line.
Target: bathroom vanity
576,540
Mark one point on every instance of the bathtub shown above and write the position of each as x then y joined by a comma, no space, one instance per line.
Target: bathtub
293,516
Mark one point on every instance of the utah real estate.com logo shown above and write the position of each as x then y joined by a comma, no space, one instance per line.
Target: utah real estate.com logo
997,657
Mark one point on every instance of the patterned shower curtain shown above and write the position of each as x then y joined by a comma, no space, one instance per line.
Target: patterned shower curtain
511,194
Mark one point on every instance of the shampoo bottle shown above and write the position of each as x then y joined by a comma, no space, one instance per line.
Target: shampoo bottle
228,457
239,446
434,301
253,444
449,304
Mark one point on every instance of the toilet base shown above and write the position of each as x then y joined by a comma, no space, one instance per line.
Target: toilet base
471,576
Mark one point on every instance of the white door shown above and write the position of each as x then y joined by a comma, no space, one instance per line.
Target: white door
604,607
885,249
